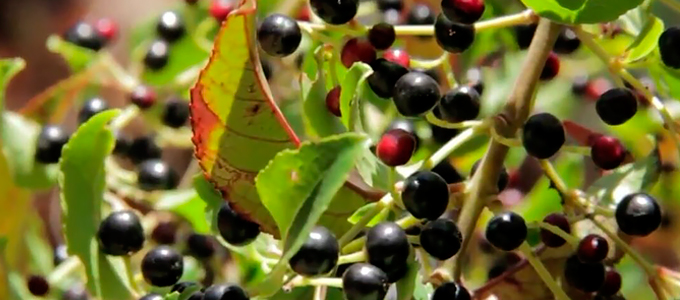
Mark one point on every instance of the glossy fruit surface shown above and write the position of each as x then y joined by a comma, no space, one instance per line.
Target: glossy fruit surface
543,135
220,9
398,56
451,36
201,246
279,35
396,147
425,195
503,177
318,255
524,34
584,276
50,142
90,108
551,67
463,11
460,104
155,174
170,26
381,36
567,42
592,249
415,93
157,56
335,11
638,214
235,229
227,291
385,76
165,233
143,148
506,231
333,101
197,295
447,171
120,233
451,291
669,47
175,112
143,96
550,239
441,238
85,35
364,282
387,248
616,106
607,152
38,285
162,266
356,50
612,283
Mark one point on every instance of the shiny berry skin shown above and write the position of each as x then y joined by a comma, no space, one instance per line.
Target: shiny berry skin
120,233
175,112
524,34
38,285
155,174
448,172
396,147
143,96
421,14
398,56
474,80
543,135
586,277
638,214
387,248
607,152
385,76
107,28
506,231
451,291
612,283
669,47
592,249
451,36
381,36
460,104
85,35
503,177
227,291
356,50
333,101
90,108
335,11
170,26
425,195
463,11
164,233
550,239
364,282
50,142
318,255
616,106
157,56
234,228
162,266
551,67
143,148
220,9
60,254
279,35
567,42
441,238
415,94
385,5
201,246
181,286
406,125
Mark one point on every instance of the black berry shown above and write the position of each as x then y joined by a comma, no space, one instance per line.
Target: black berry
121,233
396,147
425,195
90,108
357,50
175,112
318,255
543,135
451,36
152,296
550,239
415,93
607,152
155,174
197,295
451,291
441,238
50,142
420,14
164,233
157,56
638,214
123,143
584,276
201,246
669,43
143,148
333,101
384,5
85,35
387,248
181,286
612,283
503,177
225,292
279,35
551,67
364,282
463,11
170,26
385,76
381,36
162,266
143,96
447,171
441,135
592,249
335,11
616,106
38,285
506,231
567,42
234,228
524,34
397,56
460,104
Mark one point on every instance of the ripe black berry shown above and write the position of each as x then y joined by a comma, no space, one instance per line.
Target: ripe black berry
225,291
460,104
86,36
387,248
384,5
170,26
385,75
567,42
420,14
441,238
143,148
396,147
425,195
181,286
506,231
638,214
356,50
318,255
550,239
446,170
503,177
279,35
669,43
335,11
157,56
152,296
502,264
607,152
364,282
220,9
175,112
162,266
451,36
123,143
201,246
397,56
616,106
592,248
50,142
381,36
90,108
451,291
234,228
155,174
121,233
524,34
612,283
463,11
197,295
59,255
333,101
38,285
551,67
543,135
584,276
164,233
415,93
143,96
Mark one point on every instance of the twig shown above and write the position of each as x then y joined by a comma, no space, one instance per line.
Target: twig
543,272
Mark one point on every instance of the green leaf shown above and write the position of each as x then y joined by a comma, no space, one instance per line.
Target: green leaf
373,171
581,11
188,205
184,55
670,77
82,182
186,293
422,290
406,285
631,178
318,120
211,197
8,68
646,41
359,213
351,88
78,58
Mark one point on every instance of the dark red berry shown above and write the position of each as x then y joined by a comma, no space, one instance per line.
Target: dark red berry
107,28
120,233
584,276
567,42
304,14
638,214
524,34
318,255
155,174
356,50
381,36
503,177
592,248
333,101
220,9
157,56
396,147
607,152
441,239
170,26
51,140
550,239
165,233
162,266
143,148
551,68
398,56
669,43
406,125
90,108
506,231
616,106
543,135
425,195
460,104
235,229
463,11
85,35
279,35
335,11
387,248
143,96
175,113
38,285
201,246
385,76
364,282
451,36
612,283
415,94
451,291
227,291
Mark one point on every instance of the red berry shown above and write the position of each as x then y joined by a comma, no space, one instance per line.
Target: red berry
382,36
357,50
396,147
551,68
592,249
550,239
597,87
107,28
607,152
398,56
143,96
304,13
463,11
333,101
612,283
220,9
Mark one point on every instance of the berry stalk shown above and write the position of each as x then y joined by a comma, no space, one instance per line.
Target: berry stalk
543,272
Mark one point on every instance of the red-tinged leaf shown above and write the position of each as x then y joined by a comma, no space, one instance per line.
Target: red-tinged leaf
579,133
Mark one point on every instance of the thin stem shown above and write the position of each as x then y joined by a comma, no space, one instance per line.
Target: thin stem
509,142
448,71
129,113
384,203
572,240
554,176
543,272
358,256
585,151
451,145
320,292
354,245
429,64
322,281
647,267
131,275
672,4
63,270
407,221
332,68
432,119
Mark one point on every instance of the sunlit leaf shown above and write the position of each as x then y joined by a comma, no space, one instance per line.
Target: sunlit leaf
78,58
631,178
188,205
646,41
351,87
581,11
